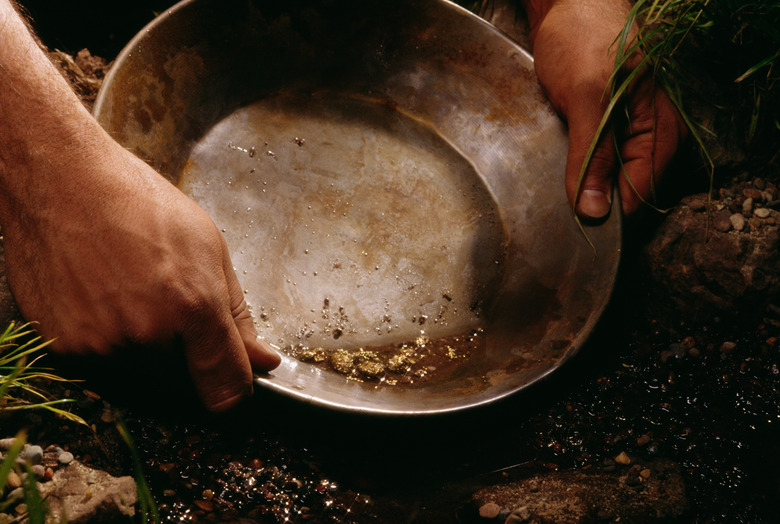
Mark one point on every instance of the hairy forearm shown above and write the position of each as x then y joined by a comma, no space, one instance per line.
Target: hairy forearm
42,122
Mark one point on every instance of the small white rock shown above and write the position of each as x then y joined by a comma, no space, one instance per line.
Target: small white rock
737,221
66,457
762,212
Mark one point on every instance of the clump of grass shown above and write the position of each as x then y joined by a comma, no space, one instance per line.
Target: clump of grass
20,350
736,43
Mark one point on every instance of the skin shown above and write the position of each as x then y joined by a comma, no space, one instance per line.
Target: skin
108,257
574,56
101,250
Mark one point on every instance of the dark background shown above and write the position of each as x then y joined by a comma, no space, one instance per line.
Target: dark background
102,26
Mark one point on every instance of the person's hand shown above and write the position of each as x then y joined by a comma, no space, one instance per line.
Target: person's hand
115,257
574,51
101,251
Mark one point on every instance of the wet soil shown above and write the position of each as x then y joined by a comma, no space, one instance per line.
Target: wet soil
653,382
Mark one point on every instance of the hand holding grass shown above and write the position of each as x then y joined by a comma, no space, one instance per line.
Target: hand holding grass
102,251
575,44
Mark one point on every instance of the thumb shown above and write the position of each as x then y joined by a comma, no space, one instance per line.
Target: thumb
260,354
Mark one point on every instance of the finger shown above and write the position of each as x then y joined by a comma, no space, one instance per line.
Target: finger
217,360
592,196
652,142
260,354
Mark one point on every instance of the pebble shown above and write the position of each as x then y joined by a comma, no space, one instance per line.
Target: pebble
747,205
737,221
762,212
39,471
205,505
694,352
207,494
489,510
21,509
623,458
521,514
643,440
751,192
169,493
645,473
697,204
66,457
632,480
48,474
16,494
727,347
721,222
13,480
33,453
6,443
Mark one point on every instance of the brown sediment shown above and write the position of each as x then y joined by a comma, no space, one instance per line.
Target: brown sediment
412,362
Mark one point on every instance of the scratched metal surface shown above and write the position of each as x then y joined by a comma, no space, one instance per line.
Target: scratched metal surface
372,165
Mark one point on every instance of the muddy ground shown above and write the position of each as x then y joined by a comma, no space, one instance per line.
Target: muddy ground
669,413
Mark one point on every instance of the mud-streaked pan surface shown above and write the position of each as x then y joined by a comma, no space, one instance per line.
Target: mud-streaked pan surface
389,180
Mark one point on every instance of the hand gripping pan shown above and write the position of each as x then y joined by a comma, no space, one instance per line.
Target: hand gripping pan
388,176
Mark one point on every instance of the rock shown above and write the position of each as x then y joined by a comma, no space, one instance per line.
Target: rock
727,347
522,514
751,192
79,494
13,480
762,212
6,443
489,510
623,459
737,221
696,271
747,205
32,453
39,471
643,440
66,457
697,203
721,221
579,496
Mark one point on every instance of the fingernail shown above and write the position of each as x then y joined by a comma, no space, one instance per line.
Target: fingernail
594,203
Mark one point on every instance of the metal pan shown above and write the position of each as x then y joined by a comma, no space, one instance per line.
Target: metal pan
389,179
